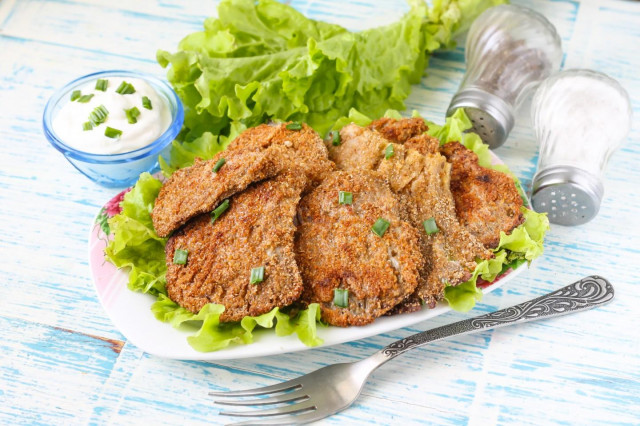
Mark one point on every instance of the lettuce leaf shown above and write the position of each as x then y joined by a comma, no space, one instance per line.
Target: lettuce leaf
211,335
135,244
261,61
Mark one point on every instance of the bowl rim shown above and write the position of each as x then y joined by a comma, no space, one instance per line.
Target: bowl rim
155,147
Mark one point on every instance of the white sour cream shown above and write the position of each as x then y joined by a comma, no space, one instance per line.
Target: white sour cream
149,126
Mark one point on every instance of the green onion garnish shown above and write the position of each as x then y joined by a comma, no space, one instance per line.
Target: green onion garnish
335,138
75,95
98,115
219,165
294,126
430,226
180,257
110,132
132,115
345,197
380,227
87,126
146,102
388,151
125,88
257,275
341,297
85,98
219,210
102,84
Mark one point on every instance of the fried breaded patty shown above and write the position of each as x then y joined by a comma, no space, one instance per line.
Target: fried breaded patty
256,230
422,182
198,189
487,201
305,149
408,131
256,154
337,249
399,131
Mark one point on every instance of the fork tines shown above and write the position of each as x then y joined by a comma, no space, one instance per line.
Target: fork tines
290,396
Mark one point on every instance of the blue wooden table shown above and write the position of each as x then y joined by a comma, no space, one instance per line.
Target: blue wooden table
63,362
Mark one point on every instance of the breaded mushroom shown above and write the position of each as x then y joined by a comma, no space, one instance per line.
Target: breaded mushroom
305,149
399,131
257,230
257,153
337,250
198,189
487,200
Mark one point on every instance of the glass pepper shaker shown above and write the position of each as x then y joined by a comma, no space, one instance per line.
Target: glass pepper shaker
580,118
509,50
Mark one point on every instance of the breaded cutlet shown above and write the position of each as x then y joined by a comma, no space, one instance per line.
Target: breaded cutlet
487,201
337,249
198,189
257,230
305,149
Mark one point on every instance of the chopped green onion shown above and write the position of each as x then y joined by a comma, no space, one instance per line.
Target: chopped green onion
125,88
180,257
388,151
146,102
257,275
219,210
98,115
294,126
430,226
341,297
102,85
335,138
345,197
219,165
110,132
380,227
85,98
75,95
87,126
132,115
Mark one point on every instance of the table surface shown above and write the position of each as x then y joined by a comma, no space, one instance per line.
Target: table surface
63,362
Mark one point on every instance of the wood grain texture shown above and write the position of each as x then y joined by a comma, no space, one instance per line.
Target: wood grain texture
64,363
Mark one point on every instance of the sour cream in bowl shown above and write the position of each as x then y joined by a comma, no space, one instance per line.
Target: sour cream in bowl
113,125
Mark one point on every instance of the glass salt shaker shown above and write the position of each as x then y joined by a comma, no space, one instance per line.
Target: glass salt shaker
580,118
509,50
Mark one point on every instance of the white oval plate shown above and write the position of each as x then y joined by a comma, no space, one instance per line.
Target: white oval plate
131,313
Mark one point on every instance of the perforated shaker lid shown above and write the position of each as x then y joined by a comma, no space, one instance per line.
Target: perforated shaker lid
491,117
570,196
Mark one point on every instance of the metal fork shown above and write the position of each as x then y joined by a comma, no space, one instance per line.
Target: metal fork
335,387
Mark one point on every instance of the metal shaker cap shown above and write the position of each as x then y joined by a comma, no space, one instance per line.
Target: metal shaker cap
491,117
569,195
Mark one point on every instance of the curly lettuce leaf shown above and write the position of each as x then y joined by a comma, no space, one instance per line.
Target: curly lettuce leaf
135,244
212,335
261,61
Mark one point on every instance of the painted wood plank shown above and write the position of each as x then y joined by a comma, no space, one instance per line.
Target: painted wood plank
50,375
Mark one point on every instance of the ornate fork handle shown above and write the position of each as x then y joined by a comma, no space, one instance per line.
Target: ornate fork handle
585,294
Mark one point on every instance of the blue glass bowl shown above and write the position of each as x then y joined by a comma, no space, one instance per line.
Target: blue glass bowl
116,170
